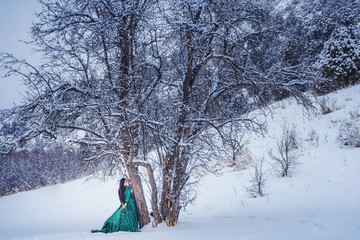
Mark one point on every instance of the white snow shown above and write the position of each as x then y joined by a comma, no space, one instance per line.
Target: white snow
320,200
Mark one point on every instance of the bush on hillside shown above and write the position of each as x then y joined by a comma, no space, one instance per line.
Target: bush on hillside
327,105
349,133
286,156
258,179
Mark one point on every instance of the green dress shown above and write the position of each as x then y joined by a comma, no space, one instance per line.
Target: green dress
122,220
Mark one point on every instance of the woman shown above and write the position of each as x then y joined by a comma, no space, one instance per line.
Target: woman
125,217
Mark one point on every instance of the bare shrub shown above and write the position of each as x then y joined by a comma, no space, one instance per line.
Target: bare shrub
287,155
355,114
313,136
258,179
349,133
327,105
240,163
235,151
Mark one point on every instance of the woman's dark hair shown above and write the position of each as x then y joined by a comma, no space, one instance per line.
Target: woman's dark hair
121,190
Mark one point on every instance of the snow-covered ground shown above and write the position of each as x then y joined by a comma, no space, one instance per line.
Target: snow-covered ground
320,200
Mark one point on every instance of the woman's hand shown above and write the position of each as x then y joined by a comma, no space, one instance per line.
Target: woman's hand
123,206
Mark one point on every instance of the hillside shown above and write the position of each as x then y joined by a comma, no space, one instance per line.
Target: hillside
319,200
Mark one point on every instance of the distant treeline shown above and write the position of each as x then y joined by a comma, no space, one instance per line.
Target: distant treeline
37,166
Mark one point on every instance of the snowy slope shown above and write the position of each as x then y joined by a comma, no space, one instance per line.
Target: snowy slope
320,200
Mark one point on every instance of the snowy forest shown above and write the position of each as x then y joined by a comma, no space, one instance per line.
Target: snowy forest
162,90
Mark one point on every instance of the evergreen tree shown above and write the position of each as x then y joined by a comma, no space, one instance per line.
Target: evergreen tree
340,58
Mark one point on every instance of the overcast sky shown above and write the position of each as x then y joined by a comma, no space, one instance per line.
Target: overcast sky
15,21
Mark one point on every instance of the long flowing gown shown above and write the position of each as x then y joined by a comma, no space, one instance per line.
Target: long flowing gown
122,220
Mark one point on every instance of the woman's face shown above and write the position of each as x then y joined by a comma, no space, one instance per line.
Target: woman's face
125,183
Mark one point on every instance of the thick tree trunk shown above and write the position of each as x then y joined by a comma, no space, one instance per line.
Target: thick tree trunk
154,199
166,199
168,204
154,192
170,198
135,181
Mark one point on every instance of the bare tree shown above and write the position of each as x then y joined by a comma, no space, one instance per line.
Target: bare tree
95,84
215,73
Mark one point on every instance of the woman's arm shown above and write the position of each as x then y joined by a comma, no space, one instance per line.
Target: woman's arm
127,197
